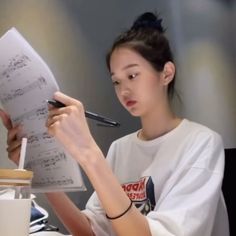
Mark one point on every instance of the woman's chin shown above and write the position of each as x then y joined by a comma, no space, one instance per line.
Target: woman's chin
134,112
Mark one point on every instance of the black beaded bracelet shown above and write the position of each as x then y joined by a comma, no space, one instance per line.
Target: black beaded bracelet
116,217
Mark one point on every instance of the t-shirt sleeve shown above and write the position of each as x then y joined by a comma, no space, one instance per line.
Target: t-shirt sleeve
188,203
97,218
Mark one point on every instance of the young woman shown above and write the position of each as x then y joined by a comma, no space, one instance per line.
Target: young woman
163,180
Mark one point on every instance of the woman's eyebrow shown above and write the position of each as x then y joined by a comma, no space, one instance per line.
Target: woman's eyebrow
126,67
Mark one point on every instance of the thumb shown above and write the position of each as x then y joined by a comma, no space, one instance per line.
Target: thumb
5,119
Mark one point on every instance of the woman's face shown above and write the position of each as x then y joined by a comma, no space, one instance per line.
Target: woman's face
138,85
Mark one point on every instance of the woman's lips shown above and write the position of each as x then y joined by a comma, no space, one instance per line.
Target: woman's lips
130,103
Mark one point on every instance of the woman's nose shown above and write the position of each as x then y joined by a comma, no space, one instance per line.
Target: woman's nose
125,90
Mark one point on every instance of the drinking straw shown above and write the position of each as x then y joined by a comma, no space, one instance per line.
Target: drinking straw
22,153
21,163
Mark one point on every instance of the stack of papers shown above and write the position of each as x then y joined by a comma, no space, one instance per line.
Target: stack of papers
26,82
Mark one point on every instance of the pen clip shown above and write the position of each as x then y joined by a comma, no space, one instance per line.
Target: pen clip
106,125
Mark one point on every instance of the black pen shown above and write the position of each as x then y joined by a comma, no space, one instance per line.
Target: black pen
88,114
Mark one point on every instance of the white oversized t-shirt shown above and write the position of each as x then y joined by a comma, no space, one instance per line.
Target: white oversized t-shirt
174,180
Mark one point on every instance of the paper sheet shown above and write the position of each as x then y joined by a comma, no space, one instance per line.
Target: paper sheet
26,82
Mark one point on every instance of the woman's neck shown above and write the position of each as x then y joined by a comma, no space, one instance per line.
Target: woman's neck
156,124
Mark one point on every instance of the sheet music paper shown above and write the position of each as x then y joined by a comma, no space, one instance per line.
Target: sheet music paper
26,82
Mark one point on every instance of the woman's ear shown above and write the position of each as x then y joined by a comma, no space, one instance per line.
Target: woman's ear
168,73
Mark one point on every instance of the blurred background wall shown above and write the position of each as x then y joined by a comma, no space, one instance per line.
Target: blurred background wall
205,44
73,37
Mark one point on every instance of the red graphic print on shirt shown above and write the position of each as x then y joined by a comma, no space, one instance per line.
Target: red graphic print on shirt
142,194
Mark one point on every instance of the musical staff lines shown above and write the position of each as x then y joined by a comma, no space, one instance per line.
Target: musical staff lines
39,138
37,113
49,160
37,84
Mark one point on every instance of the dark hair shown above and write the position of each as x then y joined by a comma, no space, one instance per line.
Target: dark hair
147,38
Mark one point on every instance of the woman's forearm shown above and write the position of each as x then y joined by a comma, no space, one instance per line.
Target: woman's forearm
72,218
69,126
113,199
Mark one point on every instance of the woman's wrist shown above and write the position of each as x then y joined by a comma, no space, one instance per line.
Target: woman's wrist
89,158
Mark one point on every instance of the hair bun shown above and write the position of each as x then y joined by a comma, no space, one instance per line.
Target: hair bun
148,20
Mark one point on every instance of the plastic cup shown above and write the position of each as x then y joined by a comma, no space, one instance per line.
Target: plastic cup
15,202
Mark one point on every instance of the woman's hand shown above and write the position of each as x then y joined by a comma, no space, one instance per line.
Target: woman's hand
69,126
13,143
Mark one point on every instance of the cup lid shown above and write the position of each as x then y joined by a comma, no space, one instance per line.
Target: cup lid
16,174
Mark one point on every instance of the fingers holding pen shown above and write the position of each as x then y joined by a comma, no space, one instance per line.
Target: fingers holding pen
68,121
55,115
61,115
73,108
61,97
69,126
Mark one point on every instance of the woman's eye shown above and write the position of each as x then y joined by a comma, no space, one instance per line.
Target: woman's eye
115,83
132,76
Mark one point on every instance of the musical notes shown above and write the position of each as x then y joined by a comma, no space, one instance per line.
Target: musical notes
35,138
37,113
26,83
15,63
52,160
47,161
37,84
